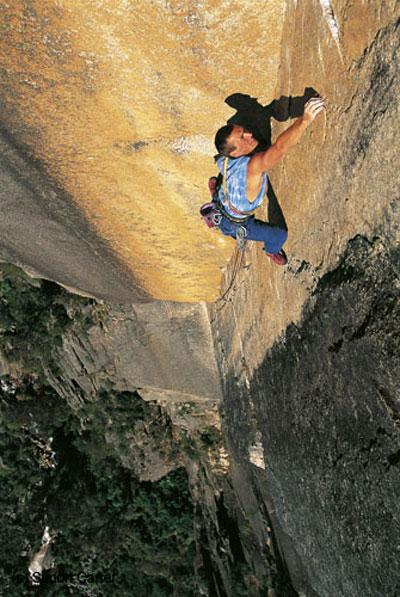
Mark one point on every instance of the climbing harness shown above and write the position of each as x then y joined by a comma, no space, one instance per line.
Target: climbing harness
228,216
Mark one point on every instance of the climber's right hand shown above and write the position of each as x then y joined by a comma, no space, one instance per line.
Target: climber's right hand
312,108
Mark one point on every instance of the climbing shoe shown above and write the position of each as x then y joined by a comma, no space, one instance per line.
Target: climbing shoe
278,258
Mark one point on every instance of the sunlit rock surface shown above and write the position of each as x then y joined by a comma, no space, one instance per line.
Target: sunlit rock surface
119,103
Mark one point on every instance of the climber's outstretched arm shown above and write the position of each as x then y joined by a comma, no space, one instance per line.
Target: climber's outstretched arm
265,160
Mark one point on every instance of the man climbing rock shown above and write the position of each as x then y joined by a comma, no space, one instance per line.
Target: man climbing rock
244,180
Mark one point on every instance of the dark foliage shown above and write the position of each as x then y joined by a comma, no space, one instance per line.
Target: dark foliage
113,533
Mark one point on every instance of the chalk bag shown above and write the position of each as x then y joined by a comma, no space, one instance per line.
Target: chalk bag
210,214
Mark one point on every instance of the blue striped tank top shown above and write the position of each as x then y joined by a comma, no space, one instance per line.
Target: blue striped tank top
236,186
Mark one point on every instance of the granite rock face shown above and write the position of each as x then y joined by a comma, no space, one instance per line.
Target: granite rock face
131,348
324,406
309,354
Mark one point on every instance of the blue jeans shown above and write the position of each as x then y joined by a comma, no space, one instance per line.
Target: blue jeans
273,237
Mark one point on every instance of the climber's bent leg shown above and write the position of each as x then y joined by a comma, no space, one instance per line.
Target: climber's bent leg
273,237
227,227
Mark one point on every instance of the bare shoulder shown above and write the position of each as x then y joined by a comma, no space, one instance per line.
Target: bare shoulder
264,161
255,164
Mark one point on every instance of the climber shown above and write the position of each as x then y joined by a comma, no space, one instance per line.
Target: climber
244,177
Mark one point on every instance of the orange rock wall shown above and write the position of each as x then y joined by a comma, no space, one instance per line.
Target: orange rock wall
119,103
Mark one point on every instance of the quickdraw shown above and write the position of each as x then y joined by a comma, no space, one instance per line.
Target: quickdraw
241,234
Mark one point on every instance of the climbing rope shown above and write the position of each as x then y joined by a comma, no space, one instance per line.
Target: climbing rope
241,234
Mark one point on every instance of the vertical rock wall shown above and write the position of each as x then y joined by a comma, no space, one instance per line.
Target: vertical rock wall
339,182
309,353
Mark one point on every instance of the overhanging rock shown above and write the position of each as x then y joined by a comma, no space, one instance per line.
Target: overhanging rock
119,103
